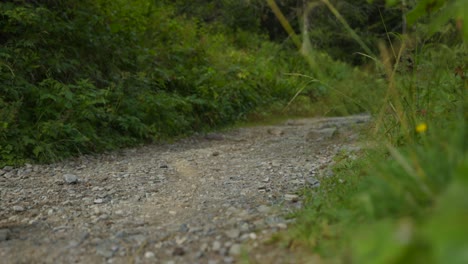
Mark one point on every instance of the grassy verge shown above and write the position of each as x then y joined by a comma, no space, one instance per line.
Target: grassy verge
405,199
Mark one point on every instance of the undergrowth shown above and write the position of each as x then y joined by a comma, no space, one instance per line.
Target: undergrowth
404,199
90,76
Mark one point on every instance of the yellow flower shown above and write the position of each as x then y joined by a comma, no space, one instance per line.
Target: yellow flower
421,127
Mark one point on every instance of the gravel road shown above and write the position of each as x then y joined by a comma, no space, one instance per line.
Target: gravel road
198,200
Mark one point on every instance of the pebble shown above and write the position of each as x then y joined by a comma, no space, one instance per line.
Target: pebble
7,168
214,136
253,236
235,250
98,201
119,212
178,251
4,234
291,197
216,246
263,209
312,182
228,260
233,233
324,133
18,208
70,178
104,251
149,255
184,228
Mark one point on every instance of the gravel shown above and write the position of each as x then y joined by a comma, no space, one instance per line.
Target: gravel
193,201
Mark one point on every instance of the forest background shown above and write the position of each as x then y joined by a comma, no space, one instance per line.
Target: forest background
79,77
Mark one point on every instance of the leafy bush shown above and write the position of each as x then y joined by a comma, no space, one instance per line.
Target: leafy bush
81,77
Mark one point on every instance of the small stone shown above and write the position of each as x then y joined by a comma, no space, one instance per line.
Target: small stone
252,236
139,238
178,251
214,136
263,209
228,260
104,251
216,246
233,233
184,228
282,226
164,166
7,168
98,201
4,234
325,133
149,255
70,178
297,182
18,208
214,154
119,212
275,131
312,182
291,197
180,240
204,247
235,250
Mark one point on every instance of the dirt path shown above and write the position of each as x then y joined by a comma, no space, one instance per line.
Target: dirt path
195,201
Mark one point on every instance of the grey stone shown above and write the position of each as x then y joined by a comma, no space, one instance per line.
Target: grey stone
70,178
228,260
8,168
139,238
149,255
18,208
214,136
178,251
291,197
216,246
275,131
263,209
4,234
235,250
233,233
104,250
325,133
312,182
184,228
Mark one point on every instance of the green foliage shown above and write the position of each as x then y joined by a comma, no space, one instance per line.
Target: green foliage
403,201
81,77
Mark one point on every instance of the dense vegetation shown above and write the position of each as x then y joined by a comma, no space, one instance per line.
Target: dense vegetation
89,76
404,198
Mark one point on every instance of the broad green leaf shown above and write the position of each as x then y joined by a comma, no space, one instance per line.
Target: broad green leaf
423,8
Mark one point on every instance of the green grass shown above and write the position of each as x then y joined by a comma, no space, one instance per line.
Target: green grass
405,199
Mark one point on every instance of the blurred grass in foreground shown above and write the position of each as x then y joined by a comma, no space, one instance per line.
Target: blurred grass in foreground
405,199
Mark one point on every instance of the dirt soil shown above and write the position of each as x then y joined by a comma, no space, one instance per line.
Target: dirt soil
199,200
